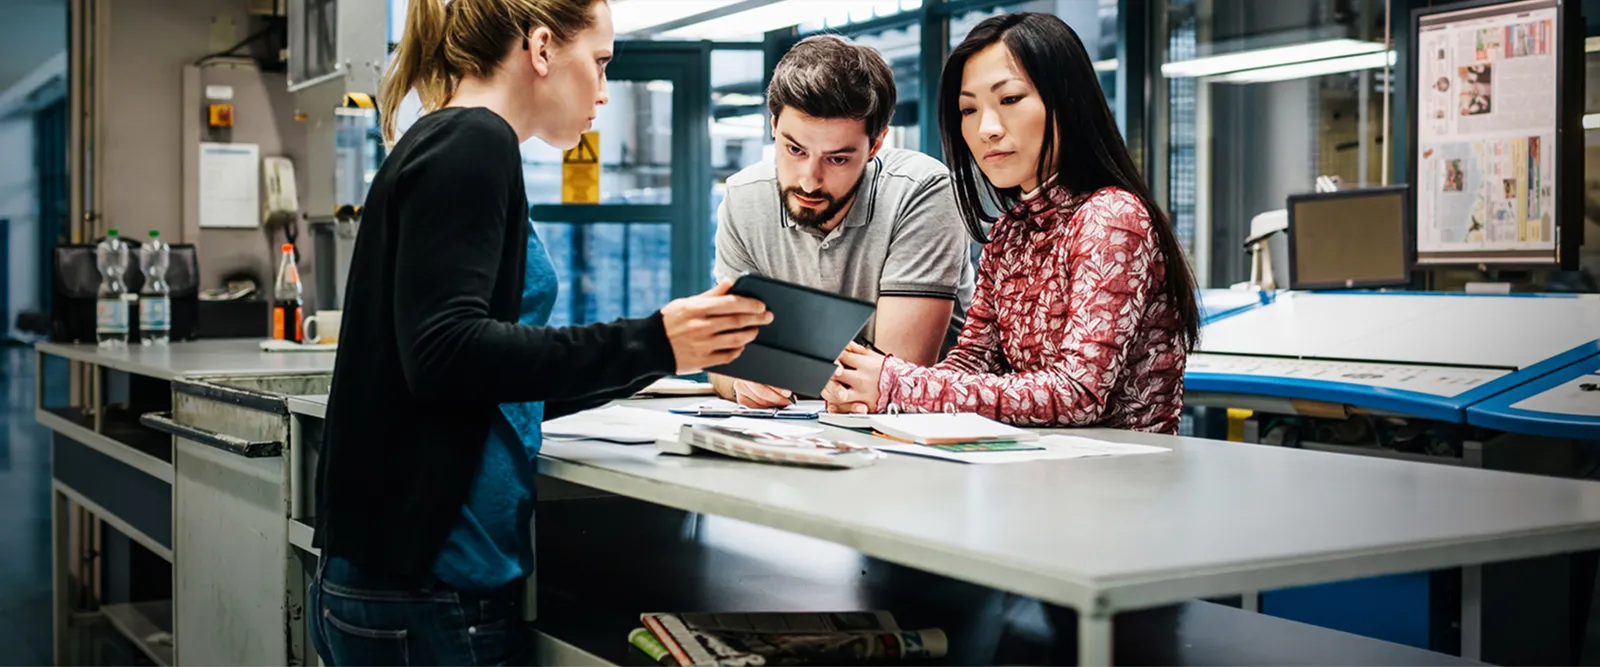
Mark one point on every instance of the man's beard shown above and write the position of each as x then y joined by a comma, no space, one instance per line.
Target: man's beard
815,218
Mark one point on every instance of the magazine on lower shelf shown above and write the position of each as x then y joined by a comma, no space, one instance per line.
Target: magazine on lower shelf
801,638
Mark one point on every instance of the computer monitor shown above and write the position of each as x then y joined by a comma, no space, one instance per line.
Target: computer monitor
1496,133
1350,238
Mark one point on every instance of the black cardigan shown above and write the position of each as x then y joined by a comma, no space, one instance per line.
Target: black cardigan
430,346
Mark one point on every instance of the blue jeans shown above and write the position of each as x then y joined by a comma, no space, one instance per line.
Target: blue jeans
364,618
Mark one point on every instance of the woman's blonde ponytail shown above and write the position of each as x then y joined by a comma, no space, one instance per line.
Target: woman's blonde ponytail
419,63
469,39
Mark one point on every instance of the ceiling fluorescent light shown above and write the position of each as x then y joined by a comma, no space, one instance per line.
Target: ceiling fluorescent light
782,14
1591,44
1268,57
628,16
1309,69
1591,121
1107,65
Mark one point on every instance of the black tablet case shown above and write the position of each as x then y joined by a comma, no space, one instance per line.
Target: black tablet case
809,329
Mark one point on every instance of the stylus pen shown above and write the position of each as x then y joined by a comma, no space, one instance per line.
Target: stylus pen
870,346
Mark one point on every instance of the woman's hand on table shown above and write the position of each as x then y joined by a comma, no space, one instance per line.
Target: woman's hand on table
756,395
854,387
712,328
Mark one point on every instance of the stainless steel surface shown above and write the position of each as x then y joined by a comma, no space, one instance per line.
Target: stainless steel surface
231,511
231,540
310,406
1207,518
202,358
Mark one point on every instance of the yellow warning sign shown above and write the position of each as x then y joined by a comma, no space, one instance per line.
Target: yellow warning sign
580,171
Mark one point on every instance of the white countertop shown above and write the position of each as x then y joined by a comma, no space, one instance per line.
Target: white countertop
201,358
1509,332
1207,518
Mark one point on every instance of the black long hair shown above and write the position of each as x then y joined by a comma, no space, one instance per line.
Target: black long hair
1092,154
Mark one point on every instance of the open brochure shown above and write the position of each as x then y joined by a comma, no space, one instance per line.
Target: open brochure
770,442
792,638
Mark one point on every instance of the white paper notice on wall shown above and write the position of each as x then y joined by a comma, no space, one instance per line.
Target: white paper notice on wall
230,185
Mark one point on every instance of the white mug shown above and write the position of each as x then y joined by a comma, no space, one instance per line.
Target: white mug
325,323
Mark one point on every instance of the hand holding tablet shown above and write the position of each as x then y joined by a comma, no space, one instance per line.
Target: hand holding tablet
809,329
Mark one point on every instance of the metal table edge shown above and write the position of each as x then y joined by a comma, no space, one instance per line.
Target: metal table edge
1157,589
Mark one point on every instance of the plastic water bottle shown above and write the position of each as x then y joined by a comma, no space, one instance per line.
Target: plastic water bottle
111,311
155,301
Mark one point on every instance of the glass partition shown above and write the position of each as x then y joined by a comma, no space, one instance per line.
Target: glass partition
1095,21
608,270
635,149
1243,133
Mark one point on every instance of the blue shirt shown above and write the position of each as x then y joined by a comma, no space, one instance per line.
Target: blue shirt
491,544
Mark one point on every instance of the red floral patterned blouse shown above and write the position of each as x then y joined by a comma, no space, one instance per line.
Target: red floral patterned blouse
1069,325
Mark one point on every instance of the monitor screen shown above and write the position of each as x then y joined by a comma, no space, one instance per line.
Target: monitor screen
1489,124
1353,238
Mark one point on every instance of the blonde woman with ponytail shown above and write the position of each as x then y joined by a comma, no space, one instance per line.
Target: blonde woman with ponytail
445,367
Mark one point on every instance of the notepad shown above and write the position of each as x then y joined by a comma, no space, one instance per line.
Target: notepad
1050,447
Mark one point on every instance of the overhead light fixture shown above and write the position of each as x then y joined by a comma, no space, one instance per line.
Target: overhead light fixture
1107,65
782,14
737,100
629,16
1268,57
1591,121
1307,70
1591,44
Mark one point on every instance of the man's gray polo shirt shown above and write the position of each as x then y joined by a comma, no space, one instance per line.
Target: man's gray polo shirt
902,236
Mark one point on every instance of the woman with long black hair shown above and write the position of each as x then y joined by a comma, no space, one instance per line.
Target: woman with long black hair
1085,307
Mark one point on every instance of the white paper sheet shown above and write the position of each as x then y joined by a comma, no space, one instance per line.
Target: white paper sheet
230,185
619,424
1053,447
677,387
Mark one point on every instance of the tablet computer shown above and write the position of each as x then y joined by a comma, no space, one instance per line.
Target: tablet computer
809,329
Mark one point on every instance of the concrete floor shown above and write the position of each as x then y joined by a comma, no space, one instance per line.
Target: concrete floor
24,517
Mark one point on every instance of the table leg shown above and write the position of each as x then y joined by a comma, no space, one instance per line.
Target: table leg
1472,612
1094,640
60,559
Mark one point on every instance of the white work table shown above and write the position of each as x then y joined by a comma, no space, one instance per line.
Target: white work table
1425,355
1107,535
201,358
1563,404
1482,331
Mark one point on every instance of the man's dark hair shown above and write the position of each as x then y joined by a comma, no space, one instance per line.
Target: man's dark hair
828,76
